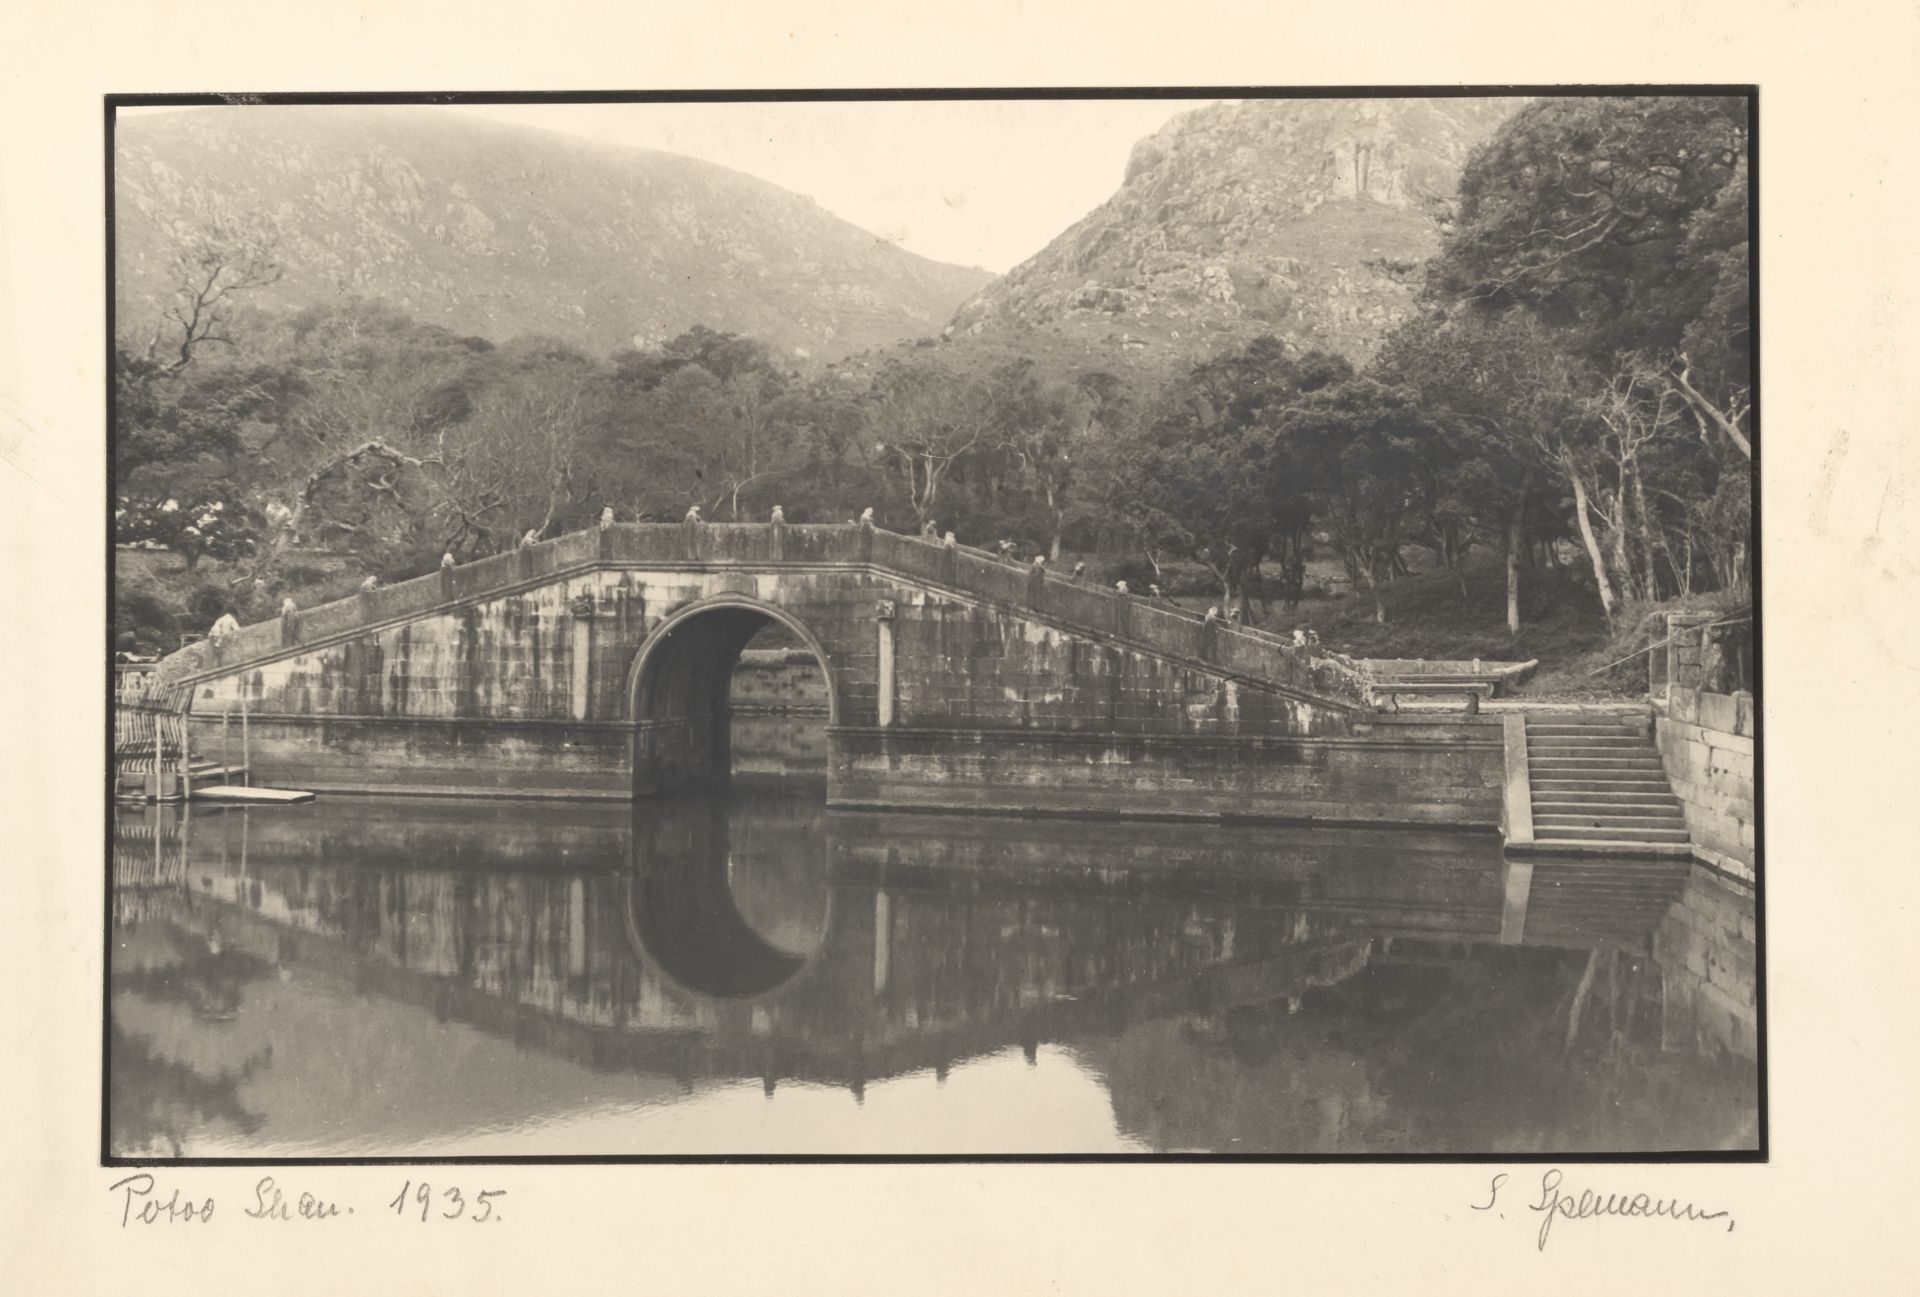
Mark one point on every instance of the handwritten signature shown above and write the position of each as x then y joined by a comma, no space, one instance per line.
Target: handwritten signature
1587,1205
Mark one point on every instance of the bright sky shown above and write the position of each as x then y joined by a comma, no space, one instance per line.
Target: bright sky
981,184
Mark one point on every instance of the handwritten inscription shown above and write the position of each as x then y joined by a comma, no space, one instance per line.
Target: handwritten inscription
270,1203
143,1205
451,1202
1556,1204
142,1201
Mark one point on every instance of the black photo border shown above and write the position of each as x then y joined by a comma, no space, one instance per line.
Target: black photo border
1749,92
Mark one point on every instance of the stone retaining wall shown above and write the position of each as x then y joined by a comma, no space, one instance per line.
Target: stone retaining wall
1371,780
1707,743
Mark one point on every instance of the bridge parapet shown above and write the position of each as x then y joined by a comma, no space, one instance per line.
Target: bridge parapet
1023,589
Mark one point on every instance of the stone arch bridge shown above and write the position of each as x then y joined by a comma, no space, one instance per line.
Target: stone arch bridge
598,664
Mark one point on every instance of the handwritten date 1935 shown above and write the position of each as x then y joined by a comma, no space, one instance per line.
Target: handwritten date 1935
451,1202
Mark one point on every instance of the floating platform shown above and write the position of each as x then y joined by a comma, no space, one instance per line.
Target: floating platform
243,793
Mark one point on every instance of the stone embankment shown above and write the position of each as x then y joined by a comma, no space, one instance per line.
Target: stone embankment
1706,742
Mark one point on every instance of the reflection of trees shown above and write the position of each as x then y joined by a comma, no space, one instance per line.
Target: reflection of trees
1435,1048
154,1100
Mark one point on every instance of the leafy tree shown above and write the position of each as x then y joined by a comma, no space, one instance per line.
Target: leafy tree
1207,480
1364,446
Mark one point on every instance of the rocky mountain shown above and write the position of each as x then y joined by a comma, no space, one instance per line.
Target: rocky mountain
500,230
1305,218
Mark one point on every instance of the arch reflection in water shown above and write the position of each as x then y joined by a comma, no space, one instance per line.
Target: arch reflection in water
720,923
382,976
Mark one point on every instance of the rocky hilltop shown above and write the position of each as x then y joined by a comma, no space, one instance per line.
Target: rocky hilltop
499,230
1307,219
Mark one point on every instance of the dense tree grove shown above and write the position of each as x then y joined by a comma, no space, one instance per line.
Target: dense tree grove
1576,382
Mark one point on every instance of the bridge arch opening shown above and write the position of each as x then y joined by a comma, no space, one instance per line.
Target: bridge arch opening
725,685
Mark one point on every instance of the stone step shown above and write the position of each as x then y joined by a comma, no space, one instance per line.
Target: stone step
1553,764
1605,803
1581,820
1619,834
1560,751
1581,720
1561,847
1536,742
1629,789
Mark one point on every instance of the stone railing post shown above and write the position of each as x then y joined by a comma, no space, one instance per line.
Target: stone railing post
777,534
1683,655
884,612
866,540
1123,614
950,560
606,543
1036,586
289,629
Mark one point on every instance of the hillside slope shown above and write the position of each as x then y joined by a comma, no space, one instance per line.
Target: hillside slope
1307,219
501,230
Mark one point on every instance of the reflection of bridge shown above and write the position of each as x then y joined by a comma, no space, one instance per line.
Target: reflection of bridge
600,662
794,943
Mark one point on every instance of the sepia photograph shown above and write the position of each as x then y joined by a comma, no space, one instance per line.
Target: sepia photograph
911,625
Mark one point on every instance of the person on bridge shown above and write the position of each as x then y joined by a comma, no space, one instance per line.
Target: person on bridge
866,516
227,625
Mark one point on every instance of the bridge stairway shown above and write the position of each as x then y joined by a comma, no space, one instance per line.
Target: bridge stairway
1597,783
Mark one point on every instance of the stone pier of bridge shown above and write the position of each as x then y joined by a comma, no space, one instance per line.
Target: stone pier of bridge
600,664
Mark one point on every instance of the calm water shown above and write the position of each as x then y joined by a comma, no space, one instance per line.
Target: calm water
750,973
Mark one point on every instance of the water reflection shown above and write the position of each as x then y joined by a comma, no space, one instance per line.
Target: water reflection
747,972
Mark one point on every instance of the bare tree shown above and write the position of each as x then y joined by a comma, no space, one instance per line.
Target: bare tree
223,257
925,421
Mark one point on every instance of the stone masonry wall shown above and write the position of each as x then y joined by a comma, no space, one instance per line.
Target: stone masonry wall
1707,744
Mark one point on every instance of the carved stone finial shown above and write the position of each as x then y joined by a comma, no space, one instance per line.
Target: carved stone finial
779,515
884,609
